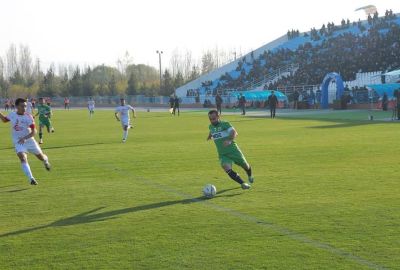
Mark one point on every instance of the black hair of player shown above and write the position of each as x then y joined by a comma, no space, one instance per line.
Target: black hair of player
19,101
213,112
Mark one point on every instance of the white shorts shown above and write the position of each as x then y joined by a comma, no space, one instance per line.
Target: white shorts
30,146
125,122
91,108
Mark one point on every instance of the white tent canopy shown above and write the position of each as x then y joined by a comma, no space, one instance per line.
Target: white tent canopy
393,73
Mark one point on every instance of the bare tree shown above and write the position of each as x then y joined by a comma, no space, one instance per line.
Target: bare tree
1,68
187,64
25,62
124,62
62,70
11,61
207,62
37,73
176,62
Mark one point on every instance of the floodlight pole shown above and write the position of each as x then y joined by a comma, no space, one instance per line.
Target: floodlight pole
159,61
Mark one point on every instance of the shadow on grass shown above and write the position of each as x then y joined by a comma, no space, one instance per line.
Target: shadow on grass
16,190
73,146
92,216
62,147
8,186
332,122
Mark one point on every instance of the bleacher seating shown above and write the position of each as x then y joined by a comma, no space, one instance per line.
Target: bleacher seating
359,51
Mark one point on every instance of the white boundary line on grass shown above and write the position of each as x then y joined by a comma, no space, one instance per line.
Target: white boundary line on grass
252,219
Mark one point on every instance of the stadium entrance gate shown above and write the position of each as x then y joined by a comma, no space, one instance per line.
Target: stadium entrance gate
325,85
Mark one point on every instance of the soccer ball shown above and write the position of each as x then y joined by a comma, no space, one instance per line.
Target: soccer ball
209,191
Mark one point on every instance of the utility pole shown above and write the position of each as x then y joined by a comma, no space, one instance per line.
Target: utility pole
159,60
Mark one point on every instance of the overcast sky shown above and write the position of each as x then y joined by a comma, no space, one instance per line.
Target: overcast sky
99,31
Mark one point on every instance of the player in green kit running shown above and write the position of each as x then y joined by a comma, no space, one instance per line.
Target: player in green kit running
224,136
44,112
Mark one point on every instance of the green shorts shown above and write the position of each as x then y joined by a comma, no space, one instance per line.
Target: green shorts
45,122
236,157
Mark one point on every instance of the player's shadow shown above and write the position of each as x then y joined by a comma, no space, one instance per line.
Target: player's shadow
72,146
15,190
6,148
6,189
93,215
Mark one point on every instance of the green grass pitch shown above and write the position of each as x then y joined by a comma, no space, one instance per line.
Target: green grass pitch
326,196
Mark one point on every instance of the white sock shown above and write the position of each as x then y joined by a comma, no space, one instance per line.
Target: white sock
125,134
45,159
27,170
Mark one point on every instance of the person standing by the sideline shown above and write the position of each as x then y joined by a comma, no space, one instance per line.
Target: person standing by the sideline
396,94
385,101
272,102
66,103
176,106
218,102
296,97
171,104
242,104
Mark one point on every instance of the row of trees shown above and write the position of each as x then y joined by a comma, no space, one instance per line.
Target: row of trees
21,75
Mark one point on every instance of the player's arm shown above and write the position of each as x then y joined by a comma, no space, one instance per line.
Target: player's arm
4,118
134,112
116,116
232,135
209,136
30,135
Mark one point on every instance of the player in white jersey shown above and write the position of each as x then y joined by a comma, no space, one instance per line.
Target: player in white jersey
29,107
23,132
122,113
91,105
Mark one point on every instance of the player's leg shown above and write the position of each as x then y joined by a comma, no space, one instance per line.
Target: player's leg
41,133
42,157
33,148
50,127
246,166
26,168
241,161
178,111
125,128
227,166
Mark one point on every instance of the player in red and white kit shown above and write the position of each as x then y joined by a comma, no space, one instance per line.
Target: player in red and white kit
122,114
23,132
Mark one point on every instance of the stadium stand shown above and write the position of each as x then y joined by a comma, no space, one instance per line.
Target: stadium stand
361,52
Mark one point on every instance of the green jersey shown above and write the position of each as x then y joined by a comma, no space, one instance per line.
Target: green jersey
43,111
221,133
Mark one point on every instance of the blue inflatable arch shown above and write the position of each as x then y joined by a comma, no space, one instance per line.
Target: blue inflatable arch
324,88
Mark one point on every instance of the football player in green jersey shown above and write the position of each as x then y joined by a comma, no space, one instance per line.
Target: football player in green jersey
44,112
229,152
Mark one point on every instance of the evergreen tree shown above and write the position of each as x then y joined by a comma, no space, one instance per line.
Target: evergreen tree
112,86
88,87
168,84
48,87
17,78
75,84
194,73
64,86
133,85
179,81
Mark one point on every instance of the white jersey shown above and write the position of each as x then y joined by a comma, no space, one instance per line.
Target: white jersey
21,125
91,104
29,107
124,112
